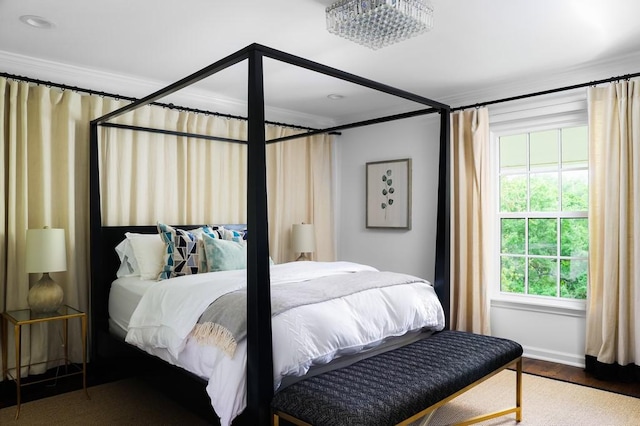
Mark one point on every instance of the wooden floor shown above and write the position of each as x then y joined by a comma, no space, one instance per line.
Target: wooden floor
577,375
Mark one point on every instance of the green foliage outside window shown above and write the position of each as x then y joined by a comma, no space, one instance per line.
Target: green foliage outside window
544,232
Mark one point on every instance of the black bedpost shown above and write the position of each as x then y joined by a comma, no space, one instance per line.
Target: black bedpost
98,313
442,283
259,346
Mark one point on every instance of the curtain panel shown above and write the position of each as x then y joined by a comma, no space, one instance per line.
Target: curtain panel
472,220
44,133
45,182
613,302
149,177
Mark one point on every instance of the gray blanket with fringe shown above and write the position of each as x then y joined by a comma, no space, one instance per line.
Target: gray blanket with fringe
224,322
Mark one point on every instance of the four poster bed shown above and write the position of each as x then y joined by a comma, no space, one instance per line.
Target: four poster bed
138,310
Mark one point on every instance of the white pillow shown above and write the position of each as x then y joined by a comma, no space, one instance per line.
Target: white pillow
148,250
128,263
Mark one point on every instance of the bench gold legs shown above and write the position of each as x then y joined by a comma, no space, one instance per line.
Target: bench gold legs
517,409
278,415
429,411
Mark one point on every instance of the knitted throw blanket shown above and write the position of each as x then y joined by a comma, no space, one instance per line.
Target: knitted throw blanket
224,322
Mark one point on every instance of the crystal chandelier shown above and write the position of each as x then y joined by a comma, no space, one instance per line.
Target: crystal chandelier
379,23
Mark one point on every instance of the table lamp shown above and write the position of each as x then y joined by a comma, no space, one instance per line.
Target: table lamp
303,240
46,252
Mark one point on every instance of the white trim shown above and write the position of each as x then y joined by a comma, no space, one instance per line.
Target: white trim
564,307
553,356
578,74
544,112
557,110
133,86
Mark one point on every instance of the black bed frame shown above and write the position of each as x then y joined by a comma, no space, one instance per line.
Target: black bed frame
259,345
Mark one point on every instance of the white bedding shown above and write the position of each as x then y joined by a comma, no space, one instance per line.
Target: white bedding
304,336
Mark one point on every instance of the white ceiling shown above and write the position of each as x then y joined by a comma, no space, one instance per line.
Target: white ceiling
478,48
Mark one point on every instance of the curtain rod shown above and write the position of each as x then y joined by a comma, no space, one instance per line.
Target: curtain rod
548,92
64,87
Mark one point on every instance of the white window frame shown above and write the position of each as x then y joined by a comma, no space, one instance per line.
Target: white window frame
565,109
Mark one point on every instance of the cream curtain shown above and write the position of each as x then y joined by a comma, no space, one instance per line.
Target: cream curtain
472,220
147,177
44,159
150,177
613,306
44,134
299,175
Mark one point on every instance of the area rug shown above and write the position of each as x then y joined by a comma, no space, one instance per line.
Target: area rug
545,402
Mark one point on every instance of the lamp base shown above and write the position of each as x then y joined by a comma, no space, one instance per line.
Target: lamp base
45,296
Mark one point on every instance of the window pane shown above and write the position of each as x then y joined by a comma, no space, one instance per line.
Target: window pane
513,193
575,147
574,237
512,274
513,152
543,237
543,149
575,191
513,236
573,278
544,192
543,277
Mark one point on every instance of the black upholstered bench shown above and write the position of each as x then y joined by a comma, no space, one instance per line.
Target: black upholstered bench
403,385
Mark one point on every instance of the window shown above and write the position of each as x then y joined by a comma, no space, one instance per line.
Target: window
543,204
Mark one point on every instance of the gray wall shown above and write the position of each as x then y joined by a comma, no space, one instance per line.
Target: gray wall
409,251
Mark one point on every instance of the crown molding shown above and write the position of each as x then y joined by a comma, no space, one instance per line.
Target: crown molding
132,86
578,74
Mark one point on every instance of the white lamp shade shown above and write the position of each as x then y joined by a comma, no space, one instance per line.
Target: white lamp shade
303,238
46,250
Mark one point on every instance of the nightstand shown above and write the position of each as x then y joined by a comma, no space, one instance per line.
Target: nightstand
26,317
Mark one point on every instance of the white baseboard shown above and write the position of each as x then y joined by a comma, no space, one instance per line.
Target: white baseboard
554,356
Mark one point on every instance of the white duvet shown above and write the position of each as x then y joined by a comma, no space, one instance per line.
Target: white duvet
304,336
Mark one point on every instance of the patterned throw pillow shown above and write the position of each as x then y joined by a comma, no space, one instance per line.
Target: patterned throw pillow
181,252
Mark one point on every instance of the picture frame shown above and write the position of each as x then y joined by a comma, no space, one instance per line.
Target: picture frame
388,192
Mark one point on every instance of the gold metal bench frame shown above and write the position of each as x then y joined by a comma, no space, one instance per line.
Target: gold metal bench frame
428,412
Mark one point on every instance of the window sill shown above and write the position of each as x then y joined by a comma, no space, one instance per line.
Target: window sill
572,308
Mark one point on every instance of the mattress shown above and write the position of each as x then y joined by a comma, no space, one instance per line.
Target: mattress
124,296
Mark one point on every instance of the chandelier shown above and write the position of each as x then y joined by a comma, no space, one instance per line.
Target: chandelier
379,23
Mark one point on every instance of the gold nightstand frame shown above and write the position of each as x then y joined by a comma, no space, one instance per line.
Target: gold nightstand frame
25,317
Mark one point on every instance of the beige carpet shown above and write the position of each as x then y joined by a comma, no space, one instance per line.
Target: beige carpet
545,402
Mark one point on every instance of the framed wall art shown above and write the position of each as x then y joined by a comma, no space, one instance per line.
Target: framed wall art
389,194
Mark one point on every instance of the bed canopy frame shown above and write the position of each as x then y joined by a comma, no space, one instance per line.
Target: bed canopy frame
259,344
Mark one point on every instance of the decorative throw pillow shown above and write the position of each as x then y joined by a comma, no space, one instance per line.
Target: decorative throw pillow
212,232
181,252
224,255
220,231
